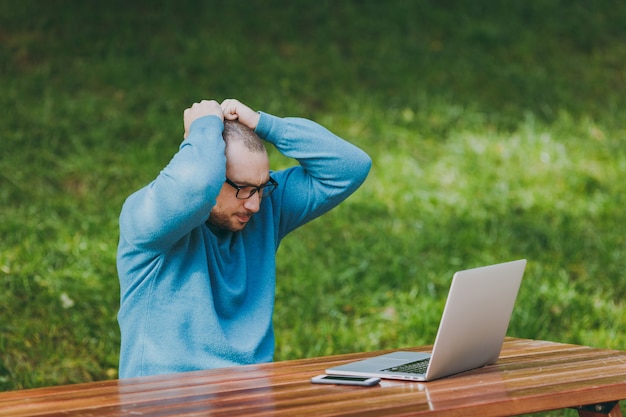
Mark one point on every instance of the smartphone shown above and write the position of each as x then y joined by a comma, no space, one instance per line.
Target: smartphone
345,380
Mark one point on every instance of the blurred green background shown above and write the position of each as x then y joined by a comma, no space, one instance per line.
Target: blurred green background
497,131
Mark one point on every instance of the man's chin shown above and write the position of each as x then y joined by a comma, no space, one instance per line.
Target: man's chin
231,226
238,227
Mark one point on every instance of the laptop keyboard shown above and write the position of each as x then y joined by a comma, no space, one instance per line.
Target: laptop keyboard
417,367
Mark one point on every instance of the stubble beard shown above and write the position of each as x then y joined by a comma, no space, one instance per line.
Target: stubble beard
225,222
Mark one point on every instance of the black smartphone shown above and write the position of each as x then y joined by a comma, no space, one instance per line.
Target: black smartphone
345,380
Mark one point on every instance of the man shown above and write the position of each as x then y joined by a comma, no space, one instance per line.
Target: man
196,256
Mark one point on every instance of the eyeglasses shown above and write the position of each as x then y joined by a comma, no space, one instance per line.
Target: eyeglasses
247,191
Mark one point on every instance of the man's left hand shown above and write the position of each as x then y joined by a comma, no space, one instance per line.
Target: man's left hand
235,110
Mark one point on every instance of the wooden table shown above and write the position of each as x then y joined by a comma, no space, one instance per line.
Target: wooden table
530,376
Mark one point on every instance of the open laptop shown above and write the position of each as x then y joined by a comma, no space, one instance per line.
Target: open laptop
471,332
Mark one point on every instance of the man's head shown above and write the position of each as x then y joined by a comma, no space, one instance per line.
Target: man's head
247,165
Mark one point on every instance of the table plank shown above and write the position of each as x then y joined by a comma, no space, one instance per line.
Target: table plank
530,376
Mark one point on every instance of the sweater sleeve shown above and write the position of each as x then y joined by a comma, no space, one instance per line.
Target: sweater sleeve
330,169
182,195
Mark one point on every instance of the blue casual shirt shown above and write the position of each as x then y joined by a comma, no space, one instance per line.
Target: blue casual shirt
193,297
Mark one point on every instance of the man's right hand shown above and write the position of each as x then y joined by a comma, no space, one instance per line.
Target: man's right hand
201,109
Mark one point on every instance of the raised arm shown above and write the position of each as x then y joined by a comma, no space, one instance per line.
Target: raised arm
330,168
182,195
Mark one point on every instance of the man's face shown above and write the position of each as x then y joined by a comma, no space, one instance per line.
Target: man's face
244,168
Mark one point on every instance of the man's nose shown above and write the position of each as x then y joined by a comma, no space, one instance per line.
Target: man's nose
253,203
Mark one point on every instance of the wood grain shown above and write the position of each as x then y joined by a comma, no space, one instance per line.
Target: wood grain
530,376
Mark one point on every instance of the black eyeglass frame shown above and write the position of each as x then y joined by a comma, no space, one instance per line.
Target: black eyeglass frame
260,189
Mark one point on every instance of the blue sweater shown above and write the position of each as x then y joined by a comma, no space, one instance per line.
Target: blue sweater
193,297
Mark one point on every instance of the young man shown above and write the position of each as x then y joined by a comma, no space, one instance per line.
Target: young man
196,256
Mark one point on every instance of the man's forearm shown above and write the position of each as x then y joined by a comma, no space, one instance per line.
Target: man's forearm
325,156
182,195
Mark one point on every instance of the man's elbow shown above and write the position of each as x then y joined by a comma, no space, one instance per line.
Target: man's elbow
362,166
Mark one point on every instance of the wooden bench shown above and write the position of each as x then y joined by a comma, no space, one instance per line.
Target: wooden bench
530,376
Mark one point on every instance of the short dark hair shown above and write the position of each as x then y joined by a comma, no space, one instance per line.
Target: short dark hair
233,130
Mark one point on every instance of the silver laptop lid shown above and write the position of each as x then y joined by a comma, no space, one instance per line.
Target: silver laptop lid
475,318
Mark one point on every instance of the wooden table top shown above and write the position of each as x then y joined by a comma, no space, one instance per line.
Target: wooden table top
530,376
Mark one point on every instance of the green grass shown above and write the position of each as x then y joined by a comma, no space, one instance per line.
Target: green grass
497,130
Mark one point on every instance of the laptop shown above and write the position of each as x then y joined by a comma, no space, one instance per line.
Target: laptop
471,332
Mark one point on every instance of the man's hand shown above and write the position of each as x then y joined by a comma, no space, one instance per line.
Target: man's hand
197,110
234,110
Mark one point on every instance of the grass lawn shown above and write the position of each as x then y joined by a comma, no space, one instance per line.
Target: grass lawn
497,131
